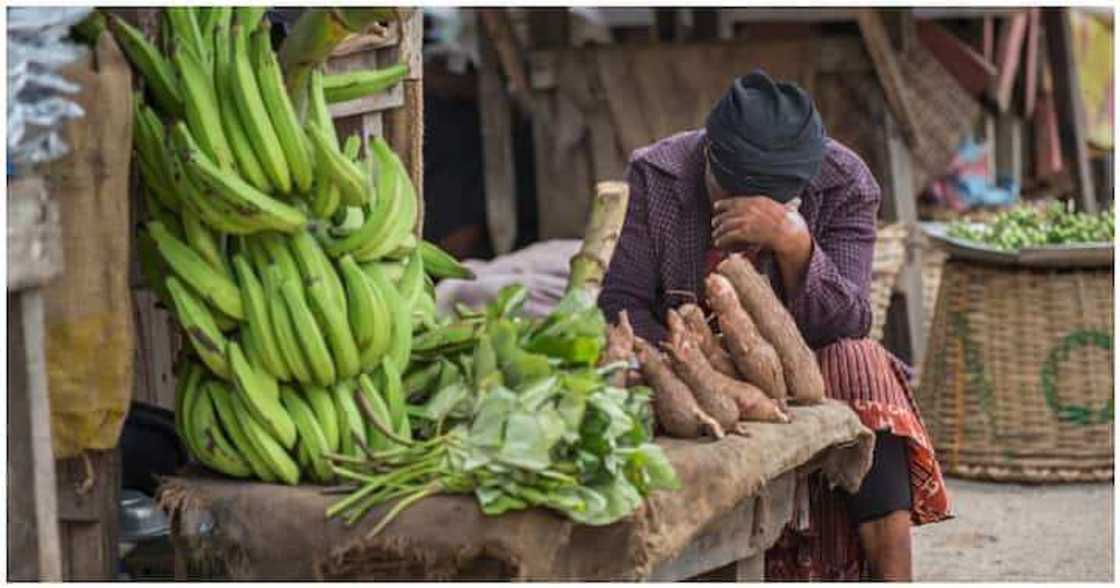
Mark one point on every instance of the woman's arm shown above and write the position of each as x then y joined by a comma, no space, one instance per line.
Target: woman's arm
831,299
631,282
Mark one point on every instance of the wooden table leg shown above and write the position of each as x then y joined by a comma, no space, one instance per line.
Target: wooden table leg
751,569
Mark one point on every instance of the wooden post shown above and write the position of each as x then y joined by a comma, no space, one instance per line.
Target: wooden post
497,150
883,57
1067,97
34,257
1008,54
906,211
1009,148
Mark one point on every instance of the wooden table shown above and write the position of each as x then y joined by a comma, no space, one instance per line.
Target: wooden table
737,496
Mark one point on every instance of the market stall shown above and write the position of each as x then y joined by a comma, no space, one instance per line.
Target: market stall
340,425
736,496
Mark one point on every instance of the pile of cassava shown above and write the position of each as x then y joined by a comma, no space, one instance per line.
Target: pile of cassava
709,384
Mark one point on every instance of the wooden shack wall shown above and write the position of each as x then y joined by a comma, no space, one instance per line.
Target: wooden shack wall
592,107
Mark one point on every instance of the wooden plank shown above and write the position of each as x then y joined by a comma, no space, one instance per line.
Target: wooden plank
499,180
549,27
988,38
88,504
1009,148
905,208
1069,107
380,102
1008,53
878,44
34,548
1030,72
748,530
496,23
968,66
34,235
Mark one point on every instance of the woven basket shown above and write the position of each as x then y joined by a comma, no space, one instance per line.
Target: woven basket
1018,383
890,255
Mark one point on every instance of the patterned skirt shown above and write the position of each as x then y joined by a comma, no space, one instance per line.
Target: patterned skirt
876,385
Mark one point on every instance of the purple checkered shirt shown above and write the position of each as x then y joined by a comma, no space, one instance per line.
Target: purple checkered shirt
660,260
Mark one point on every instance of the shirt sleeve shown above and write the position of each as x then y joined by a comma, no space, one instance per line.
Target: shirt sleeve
833,301
631,282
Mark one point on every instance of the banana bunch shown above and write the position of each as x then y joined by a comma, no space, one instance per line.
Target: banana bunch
290,261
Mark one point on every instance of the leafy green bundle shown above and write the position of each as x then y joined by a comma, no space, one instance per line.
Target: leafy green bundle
516,412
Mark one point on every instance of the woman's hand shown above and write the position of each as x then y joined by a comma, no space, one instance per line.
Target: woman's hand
745,221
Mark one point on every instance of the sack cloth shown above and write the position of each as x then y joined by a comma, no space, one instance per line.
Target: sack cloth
88,309
271,532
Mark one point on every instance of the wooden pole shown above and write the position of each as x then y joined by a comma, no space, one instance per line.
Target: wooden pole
604,227
1067,98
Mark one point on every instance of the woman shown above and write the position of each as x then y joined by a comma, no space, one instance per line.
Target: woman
763,179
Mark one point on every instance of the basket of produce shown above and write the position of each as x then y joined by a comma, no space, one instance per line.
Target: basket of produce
1017,383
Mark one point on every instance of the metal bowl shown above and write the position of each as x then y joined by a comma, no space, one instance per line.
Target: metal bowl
140,517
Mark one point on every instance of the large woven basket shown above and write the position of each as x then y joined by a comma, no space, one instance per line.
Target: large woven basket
890,255
1018,382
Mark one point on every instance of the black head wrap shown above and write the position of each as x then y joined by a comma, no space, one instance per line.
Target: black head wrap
765,138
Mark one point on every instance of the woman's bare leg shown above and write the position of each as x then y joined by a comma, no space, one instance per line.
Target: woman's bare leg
886,542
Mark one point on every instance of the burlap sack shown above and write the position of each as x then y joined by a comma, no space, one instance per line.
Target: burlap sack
89,340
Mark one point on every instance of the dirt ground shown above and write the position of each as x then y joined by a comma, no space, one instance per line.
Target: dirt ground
1011,532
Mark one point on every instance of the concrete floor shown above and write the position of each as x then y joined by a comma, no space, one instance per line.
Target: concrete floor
1012,532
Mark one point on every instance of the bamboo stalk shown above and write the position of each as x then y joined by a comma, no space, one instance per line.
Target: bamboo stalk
604,227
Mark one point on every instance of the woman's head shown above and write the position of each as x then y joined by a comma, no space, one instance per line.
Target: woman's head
763,138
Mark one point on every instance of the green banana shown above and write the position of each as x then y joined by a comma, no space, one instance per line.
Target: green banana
411,283
381,339
187,391
231,421
393,270
392,389
376,439
333,322
270,81
405,249
248,17
254,115
216,288
159,75
439,264
361,304
311,436
214,19
262,397
326,197
351,424
424,311
202,331
148,143
201,107
310,336
285,330
278,253
400,344
267,447
187,33
204,242
393,216
258,320
351,85
315,265
243,153
208,207
323,406
215,450
239,194
353,185
155,210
